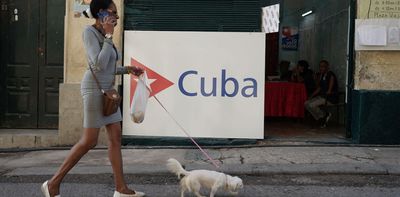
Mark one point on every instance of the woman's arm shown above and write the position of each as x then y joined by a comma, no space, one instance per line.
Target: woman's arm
121,70
129,70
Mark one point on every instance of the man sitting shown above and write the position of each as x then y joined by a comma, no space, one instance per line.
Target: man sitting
326,93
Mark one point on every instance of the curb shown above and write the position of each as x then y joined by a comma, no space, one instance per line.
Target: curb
243,169
302,144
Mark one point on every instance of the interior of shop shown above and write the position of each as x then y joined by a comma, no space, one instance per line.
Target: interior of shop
309,31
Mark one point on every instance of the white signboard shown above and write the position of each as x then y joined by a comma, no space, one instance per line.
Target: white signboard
211,82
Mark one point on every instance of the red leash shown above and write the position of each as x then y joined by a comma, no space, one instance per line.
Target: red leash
187,134
180,126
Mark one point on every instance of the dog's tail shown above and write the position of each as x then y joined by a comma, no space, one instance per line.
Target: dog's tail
175,167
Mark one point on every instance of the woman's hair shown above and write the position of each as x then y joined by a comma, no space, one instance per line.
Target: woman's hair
303,63
96,6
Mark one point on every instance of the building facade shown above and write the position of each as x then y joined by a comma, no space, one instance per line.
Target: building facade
41,47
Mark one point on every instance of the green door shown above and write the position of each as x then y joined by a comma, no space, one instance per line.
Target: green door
31,62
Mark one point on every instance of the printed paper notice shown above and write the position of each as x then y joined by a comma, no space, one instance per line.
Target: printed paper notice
394,35
372,35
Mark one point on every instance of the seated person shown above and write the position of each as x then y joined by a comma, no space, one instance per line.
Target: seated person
326,92
284,70
303,74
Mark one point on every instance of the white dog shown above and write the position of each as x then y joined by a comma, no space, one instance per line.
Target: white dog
195,179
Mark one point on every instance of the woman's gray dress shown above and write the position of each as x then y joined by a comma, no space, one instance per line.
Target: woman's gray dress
102,57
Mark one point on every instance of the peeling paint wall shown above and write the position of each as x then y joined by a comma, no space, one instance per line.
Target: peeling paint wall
377,70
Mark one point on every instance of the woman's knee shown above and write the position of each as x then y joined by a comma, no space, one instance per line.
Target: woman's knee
89,138
114,141
88,143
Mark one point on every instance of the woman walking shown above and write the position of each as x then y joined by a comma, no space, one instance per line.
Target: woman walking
102,57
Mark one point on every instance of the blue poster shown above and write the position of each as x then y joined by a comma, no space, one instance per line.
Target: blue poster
290,38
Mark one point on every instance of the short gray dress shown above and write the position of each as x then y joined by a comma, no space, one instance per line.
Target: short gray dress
102,57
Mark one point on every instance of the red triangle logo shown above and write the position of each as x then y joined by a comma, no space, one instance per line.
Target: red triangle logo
160,83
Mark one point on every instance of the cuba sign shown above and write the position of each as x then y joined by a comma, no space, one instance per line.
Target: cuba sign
211,82
224,80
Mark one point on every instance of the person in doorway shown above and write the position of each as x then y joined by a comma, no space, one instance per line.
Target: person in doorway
303,74
326,93
284,71
102,58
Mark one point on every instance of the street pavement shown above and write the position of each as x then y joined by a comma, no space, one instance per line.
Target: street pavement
101,190
266,171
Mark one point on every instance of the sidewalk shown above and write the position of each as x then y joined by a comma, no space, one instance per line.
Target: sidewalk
239,161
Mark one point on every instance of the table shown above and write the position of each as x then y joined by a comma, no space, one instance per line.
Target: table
285,99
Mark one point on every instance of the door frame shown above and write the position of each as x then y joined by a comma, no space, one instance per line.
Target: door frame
350,68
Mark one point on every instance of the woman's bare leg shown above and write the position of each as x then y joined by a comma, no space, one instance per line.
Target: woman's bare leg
114,153
87,142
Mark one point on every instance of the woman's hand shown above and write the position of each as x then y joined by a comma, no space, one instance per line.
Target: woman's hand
108,24
135,70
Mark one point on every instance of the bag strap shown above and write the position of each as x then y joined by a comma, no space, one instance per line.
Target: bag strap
97,81
115,67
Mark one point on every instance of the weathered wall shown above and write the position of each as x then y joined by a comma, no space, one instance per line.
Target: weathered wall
377,70
71,114
375,99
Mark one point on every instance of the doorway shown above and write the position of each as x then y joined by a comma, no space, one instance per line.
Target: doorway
31,62
310,30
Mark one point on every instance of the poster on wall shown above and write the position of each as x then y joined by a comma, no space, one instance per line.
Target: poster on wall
80,6
212,83
290,38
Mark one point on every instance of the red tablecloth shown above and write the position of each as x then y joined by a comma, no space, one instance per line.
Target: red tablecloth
285,99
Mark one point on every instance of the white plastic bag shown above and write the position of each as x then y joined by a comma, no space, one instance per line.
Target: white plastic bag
140,98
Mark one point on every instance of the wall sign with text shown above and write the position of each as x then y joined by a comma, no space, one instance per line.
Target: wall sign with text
211,82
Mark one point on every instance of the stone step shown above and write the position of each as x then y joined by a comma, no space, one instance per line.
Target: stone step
28,138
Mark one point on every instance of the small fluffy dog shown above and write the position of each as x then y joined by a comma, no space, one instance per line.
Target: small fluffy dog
192,181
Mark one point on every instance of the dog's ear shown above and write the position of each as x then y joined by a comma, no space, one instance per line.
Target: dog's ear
238,183
238,186
241,185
